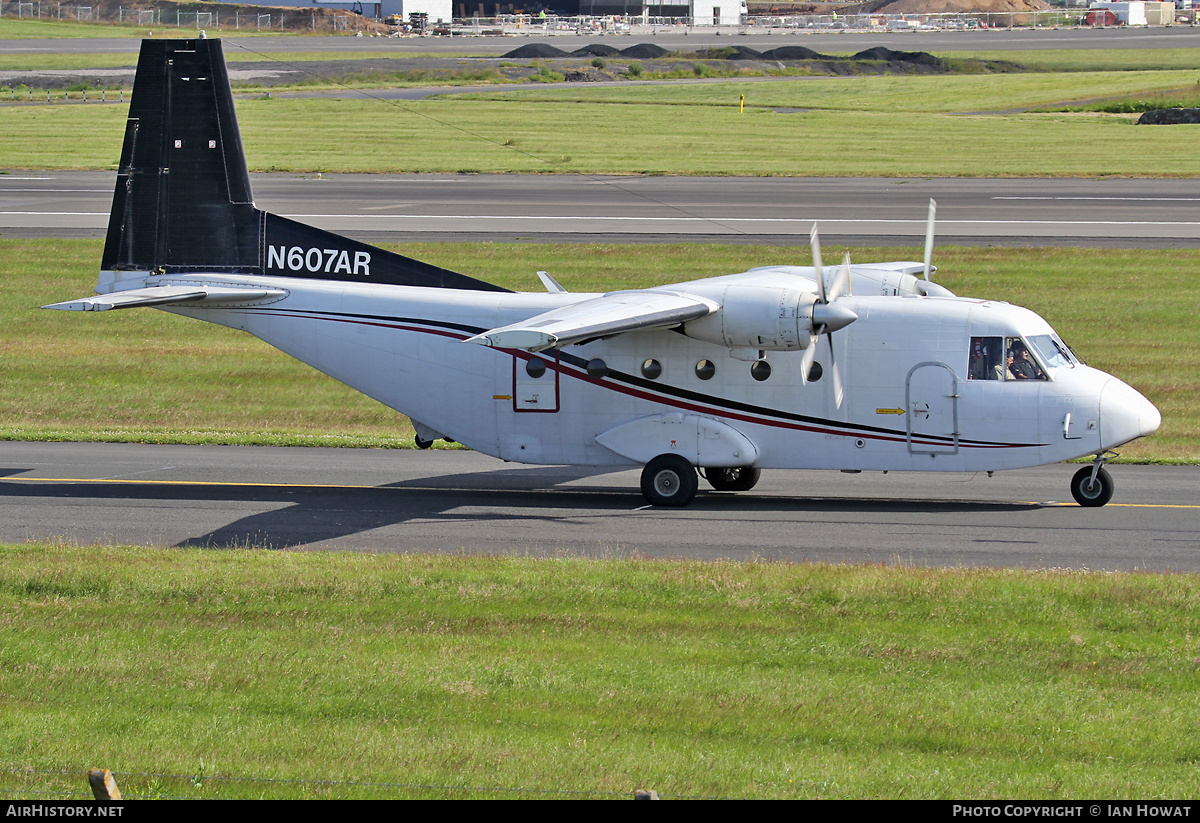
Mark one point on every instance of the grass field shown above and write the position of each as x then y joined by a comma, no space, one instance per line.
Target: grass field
17,28
794,126
204,674
539,137
145,375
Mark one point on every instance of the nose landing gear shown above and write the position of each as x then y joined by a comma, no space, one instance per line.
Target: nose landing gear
1092,485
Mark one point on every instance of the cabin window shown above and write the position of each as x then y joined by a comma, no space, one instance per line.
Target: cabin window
814,372
597,368
760,370
986,359
705,369
535,367
651,369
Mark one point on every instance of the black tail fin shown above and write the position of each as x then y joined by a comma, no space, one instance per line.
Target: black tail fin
183,202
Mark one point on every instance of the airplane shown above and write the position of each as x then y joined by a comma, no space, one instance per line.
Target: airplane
863,367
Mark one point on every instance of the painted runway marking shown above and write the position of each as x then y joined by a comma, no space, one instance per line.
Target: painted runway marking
1082,197
232,484
805,221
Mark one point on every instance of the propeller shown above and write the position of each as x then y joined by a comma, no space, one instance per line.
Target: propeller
929,288
929,238
827,316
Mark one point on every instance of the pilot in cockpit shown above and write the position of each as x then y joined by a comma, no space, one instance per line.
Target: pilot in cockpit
1022,365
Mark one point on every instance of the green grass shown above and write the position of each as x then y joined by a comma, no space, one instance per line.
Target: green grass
846,126
1106,59
941,94
144,375
538,137
27,28
194,673
16,28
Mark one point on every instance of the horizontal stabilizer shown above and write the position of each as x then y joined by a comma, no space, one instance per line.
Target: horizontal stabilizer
613,313
168,295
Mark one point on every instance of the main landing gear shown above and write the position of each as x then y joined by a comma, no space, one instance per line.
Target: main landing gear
740,479
670,480
1092,485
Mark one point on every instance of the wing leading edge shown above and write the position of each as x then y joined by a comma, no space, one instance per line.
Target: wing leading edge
610,314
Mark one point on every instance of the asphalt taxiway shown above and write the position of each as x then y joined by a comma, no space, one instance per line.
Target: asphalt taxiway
458,501
1125,213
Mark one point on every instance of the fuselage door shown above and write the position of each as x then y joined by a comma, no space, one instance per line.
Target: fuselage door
535,382
932,409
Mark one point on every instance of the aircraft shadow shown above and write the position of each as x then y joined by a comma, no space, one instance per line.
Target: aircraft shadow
302,516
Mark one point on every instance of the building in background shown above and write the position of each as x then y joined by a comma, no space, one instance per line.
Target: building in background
437,10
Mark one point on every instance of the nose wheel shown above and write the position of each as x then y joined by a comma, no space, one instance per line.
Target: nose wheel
1092,486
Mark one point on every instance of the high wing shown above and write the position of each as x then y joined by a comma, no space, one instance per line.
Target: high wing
167,295
610,314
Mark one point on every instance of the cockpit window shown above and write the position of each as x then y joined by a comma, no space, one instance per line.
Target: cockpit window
1020,363
1009,358
1052,351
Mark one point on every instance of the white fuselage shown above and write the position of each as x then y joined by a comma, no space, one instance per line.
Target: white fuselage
909,403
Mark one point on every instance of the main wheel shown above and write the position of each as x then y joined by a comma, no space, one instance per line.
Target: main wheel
739,479
1088,492
669,480
422,443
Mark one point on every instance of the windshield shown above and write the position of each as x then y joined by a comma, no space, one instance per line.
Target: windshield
1052,351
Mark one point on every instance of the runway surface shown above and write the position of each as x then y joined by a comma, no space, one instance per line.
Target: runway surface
862,211
460,501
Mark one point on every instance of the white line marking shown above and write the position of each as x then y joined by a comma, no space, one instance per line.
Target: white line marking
806,221
1136,199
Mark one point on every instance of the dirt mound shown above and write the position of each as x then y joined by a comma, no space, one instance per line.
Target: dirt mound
595,50
792,53
644,51
729,53
1169,117
884,53
534,51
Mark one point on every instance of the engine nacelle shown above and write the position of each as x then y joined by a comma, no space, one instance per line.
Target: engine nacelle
767,318
895,280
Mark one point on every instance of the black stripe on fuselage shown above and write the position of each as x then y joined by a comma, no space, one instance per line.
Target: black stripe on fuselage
646,387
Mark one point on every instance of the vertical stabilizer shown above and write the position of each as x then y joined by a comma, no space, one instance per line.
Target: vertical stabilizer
183,203
182,198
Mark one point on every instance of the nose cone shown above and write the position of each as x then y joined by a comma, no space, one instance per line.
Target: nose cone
1125,415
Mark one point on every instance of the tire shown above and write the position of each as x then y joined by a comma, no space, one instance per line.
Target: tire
422,443
1088,493
669,480
740,479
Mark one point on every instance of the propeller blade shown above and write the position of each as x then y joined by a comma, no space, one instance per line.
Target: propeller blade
814,240
806,360
841,280
929,237
838,391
